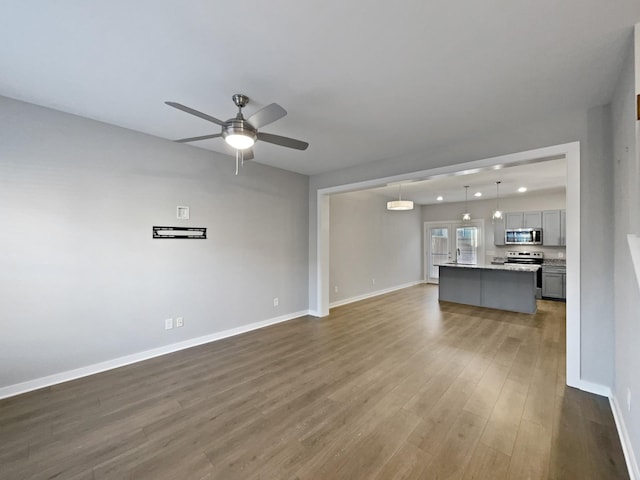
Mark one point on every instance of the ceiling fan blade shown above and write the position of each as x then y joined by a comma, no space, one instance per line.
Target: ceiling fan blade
247,154
191,111
283,141
195,139
267,115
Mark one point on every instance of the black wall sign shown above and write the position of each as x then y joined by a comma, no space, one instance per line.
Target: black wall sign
180,232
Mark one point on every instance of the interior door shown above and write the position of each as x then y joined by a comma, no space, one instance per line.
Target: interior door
439,250
467,245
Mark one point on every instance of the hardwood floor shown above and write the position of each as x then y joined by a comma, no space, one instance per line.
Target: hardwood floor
394,387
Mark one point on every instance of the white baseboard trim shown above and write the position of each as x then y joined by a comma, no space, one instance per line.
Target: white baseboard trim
591,387
61,377
364,296
623,433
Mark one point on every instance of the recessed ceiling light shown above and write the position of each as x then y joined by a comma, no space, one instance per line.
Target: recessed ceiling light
522,189
440,198
477,194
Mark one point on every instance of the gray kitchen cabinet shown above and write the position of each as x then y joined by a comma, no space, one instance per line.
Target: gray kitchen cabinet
553,285
532,219
513,220
498,233
554,280
554,228
523,219
551,231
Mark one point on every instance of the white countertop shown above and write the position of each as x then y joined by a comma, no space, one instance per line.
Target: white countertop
509,267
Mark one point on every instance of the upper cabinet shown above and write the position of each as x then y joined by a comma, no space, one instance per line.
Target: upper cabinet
552,222
532,219
553,228
513,220
523,219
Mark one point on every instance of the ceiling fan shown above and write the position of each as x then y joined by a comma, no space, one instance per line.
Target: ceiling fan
242,133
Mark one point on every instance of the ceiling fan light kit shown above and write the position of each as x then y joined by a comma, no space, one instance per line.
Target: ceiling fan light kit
240,133
240,141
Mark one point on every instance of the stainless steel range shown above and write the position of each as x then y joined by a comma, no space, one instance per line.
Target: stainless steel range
529,258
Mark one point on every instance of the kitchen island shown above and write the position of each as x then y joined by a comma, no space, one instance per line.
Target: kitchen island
503,287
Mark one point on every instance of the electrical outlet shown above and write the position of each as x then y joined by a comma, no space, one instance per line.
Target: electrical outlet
628,399
276,301
373,281
168,324
560,255
335,289
179,322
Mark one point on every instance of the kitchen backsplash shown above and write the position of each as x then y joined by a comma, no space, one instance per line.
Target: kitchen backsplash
549,252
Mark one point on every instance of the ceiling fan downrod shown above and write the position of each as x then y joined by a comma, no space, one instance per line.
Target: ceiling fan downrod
240,100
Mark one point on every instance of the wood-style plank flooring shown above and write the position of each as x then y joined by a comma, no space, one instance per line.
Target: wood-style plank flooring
398,386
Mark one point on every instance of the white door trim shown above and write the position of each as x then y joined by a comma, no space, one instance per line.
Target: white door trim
570,151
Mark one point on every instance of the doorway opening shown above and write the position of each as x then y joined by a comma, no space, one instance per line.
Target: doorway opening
320,230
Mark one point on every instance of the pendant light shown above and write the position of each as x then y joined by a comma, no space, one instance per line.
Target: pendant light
400,204
497,215
466,216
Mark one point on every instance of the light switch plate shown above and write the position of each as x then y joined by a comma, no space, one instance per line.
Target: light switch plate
182,213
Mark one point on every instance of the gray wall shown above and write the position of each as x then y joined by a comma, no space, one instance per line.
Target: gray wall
591,129
372,244
627,220
483,209
82,281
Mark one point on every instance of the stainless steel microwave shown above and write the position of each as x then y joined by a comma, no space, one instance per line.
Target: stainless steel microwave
523,236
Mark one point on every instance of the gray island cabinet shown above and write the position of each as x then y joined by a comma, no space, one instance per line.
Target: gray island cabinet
503,287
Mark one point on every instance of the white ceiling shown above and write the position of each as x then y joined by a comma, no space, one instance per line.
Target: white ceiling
540,177
362,81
